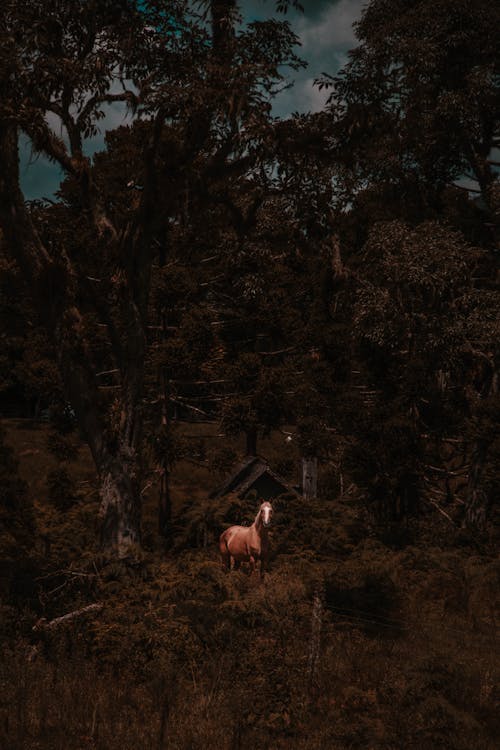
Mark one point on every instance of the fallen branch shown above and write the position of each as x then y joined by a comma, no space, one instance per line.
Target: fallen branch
58,573
42,624
443,512
449,473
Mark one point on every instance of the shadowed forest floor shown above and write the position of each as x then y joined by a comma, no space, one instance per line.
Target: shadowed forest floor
355,640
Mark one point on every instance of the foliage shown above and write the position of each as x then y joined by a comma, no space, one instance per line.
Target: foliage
399,628
61,489
18,526
418,101
203,128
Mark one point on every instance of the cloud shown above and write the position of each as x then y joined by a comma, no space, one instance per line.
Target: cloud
311,96
262,9
39,177
304,96
326,37
333,29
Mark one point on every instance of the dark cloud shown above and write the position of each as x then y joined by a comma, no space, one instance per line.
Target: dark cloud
39,177
326,33
260,8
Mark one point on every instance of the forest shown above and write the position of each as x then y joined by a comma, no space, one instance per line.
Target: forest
317,293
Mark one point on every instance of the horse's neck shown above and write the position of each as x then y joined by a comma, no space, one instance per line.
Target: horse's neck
259,526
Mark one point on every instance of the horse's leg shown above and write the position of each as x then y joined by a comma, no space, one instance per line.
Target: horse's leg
224,553
237,564
252,564
226,560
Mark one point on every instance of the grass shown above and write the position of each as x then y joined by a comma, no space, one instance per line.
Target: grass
349,643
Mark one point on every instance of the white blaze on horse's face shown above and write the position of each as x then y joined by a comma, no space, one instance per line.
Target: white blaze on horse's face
266,512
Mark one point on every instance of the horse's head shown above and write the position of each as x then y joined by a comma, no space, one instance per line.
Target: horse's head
266,512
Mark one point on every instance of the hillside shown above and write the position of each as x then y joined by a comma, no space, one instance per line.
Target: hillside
349,642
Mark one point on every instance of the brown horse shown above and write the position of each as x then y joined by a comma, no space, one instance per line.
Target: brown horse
248,543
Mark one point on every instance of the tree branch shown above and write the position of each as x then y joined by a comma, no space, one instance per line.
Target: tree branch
46,142
125,96
42,624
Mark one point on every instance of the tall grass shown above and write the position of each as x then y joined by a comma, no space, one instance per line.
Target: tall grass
349,643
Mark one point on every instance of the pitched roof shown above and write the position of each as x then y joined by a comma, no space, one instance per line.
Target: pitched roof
246,474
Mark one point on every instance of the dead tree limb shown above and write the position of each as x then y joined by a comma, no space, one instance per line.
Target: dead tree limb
43,624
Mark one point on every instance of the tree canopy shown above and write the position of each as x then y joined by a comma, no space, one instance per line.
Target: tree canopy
332,271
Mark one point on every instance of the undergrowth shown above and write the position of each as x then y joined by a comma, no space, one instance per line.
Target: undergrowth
350,642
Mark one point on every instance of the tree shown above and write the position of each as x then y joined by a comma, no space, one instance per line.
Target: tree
17,523
54,57
418,105
415,110
88,260
418,345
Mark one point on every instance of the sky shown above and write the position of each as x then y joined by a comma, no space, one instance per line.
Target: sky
326,34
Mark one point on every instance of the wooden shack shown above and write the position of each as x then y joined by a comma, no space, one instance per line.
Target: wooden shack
254,474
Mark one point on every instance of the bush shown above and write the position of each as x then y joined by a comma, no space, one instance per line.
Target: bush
61,489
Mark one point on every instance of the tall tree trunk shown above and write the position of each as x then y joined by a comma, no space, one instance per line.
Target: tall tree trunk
164,500
478,498
486,178
477,501
118,460
120,511
55,291
309,477
222,25
164,504
314,655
